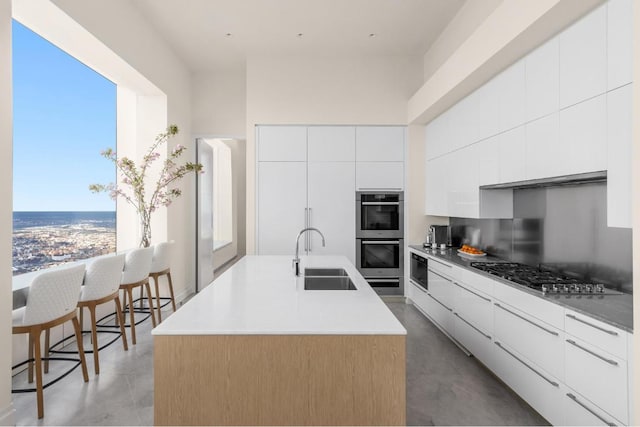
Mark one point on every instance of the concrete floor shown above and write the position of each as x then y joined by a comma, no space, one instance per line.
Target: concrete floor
444,386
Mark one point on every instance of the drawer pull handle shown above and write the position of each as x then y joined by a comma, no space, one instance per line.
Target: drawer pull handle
527,320
594,413
436,300
593,353
571,316
441,263
468,323
472,292
553,383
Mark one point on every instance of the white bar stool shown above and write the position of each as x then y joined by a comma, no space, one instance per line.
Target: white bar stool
137,266
101,285
161,266
52,301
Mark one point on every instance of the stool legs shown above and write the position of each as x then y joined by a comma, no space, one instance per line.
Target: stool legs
150,298
83,362
131,314
120,321
35,336
94,338
156,280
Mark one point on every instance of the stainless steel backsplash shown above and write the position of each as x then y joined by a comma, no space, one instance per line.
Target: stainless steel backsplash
562,228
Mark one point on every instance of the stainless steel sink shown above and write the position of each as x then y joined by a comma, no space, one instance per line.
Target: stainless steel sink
314,283
333,272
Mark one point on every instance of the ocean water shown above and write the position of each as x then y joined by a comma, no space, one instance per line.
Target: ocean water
23,220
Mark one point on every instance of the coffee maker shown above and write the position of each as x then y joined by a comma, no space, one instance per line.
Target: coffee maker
438,235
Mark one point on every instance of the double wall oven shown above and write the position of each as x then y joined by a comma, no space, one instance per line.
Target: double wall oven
380,240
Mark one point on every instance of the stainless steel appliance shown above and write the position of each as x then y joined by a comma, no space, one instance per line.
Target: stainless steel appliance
419,272
440,235
546,281
379,214
380,257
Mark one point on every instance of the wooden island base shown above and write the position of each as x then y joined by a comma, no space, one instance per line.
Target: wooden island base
279,380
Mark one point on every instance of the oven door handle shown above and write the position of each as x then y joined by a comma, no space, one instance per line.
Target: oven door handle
380,203
382,280
381,242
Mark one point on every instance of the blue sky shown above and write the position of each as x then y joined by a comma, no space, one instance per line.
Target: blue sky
64,115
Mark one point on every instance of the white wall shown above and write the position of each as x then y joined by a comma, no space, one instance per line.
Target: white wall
144,49
6,212
219,103
320,90
635,389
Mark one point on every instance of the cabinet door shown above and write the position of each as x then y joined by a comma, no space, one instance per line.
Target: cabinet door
583,58
619,43
579,411
379,175
512,151
282,206
584,128
542,80
436,187
332,143
546,155
380,144
510,91
282,143
332,208
619,154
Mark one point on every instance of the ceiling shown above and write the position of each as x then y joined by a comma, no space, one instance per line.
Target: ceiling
214,34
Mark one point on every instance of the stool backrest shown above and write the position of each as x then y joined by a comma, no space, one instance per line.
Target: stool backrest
161,256
137,265
53,294
102,277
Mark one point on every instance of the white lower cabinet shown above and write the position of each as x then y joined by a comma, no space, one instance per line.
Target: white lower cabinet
538,388
598,376
579,411
419,297
477,341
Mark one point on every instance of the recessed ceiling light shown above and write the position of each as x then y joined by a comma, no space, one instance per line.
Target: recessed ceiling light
372,34
300,34
228,34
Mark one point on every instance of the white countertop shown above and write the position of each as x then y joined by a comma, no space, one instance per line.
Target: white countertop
260,295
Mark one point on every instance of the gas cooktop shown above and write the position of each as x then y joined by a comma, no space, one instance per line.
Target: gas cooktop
545,281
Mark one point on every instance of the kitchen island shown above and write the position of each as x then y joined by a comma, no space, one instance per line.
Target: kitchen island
256,348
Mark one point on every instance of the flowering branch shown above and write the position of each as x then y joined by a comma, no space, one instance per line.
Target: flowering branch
135,178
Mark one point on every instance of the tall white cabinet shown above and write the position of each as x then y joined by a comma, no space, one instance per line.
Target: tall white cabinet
307,176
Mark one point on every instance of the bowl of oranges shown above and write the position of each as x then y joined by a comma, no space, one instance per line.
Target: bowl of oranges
470,251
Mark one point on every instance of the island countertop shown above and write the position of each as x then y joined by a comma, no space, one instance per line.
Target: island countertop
260,295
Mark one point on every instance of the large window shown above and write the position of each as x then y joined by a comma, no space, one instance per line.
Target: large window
64,115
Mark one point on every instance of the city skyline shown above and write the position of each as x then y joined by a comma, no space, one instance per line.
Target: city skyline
64,115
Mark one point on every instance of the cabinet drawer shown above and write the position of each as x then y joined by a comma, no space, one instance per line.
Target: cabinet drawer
473,339
419,297
580,412
474,307
444,268
552,314
602,335
477,281
440,313
536,387
541,343
440,287
598,376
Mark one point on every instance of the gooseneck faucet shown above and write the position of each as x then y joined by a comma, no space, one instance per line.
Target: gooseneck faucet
296,260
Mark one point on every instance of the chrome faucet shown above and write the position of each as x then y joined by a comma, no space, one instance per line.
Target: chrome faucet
296,260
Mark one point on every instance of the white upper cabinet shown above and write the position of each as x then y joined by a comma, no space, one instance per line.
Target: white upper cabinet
583,58
509,89
545,155
380,144
619,43
463,195
437,186
282,203
332,143
584,128
619,153
488,152
332,208
282,143
542,80
379,176
512,151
